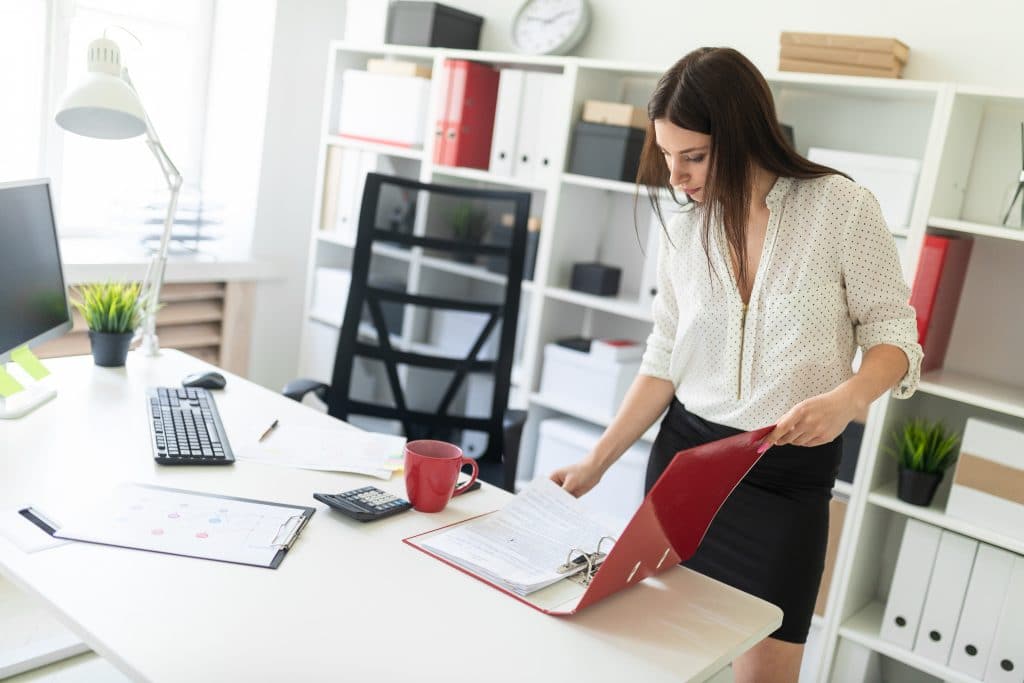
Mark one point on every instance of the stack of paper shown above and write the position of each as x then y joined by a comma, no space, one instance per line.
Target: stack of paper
521,546
341,449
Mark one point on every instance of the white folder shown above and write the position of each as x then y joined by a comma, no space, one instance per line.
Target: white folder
550,133
1006,663
506,121
531,119
979,617
945,598
910,583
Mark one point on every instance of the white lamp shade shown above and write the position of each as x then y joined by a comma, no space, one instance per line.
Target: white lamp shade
103,106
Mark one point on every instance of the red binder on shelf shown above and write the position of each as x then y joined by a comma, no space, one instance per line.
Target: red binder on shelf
466,124
666,529
938,284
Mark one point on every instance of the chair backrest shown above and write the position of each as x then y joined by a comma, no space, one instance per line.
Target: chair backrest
439,222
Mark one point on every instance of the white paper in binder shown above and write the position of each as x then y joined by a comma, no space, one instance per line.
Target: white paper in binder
506,121
1006,663
980,614
945,597
910,583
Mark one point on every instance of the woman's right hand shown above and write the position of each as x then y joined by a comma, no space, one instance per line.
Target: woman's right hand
579,477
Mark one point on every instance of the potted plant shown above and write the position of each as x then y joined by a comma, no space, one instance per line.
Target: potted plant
924,450
468,226
112,311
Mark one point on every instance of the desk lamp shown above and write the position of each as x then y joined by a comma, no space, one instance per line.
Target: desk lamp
106,105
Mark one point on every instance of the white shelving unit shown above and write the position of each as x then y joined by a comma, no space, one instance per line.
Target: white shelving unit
965,140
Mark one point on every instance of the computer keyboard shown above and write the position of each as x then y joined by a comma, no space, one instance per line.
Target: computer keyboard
186,427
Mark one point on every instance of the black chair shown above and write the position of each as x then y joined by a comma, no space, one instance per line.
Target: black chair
440,221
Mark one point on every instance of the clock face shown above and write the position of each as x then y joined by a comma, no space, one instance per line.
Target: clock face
550,26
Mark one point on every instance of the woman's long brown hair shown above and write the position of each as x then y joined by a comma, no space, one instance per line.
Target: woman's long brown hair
719,92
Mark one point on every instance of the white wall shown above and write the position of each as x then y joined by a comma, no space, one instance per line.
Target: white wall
284,209
976,42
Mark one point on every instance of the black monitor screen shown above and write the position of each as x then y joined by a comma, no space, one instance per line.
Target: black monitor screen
32,296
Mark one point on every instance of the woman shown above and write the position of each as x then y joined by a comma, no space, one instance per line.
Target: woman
767,285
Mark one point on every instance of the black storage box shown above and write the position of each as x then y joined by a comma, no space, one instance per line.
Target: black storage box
605,151
595,278
502,237
431,24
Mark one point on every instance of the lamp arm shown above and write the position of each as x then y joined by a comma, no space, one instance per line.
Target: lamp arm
153,281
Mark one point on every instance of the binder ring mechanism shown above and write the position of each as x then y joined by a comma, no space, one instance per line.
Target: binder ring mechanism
583,566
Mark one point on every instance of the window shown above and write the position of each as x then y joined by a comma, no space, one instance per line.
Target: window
23,51
202,70
115,186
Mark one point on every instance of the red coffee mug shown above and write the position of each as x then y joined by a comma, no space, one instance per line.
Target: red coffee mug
431,470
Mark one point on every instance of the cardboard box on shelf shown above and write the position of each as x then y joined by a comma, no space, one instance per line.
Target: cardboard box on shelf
847,42
397,67
808,66
614,114
838,55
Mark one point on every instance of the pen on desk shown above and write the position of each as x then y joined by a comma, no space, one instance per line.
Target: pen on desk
265,434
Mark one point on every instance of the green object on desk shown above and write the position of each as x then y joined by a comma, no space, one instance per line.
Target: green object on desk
29,363
8,385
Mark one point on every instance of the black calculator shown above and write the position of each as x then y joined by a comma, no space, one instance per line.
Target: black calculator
365,504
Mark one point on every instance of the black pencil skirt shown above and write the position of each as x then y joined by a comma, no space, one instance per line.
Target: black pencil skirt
769,538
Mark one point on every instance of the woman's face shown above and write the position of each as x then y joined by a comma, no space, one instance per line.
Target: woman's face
686,154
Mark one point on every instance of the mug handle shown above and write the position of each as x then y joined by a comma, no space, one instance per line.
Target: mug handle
476,470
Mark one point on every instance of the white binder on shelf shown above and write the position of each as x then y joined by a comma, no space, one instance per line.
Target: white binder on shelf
649,277
531,120
1006,663
506,121
909,583
945,597
549,134
980,614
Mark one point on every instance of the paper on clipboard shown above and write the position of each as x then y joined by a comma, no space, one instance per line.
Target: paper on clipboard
337,449
178,522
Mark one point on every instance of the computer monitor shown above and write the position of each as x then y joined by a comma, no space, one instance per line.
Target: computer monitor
33,298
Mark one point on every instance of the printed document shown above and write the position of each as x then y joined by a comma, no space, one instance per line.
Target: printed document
338,449
521,546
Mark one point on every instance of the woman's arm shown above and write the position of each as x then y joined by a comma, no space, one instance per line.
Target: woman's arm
645,401
820,419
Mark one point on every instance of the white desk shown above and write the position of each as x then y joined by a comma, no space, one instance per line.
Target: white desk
350,601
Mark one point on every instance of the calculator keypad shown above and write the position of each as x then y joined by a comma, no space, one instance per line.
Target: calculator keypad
365,504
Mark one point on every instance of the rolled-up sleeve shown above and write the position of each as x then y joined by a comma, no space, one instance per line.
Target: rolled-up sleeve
876,292
665,310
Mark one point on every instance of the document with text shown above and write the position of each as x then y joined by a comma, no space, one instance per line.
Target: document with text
522,546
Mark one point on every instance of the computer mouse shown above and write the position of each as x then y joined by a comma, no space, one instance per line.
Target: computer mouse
205,380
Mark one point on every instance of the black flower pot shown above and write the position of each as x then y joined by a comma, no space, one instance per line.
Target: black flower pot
917,488
110,349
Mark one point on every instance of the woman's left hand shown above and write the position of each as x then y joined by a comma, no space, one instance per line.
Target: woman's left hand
815,421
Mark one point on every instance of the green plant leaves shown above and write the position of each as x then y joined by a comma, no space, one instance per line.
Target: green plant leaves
924,446
112,307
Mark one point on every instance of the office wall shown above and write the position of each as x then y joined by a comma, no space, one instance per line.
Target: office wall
951,40
284,208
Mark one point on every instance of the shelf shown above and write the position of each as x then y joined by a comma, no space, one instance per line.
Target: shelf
886,497
389,251
600,420
627,308
487,177
600,183
469,270
980,229
860,86
975,391
375,147
899,231
843,488
331,237
863,628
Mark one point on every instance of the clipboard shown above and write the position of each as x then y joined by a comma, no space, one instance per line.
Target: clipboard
222,528
665,530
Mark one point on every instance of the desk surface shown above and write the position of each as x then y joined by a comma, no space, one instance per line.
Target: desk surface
350,601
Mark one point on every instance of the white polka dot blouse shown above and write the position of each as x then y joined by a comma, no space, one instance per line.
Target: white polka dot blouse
828,281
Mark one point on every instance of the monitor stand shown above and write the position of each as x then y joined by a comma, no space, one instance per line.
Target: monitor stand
26,401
